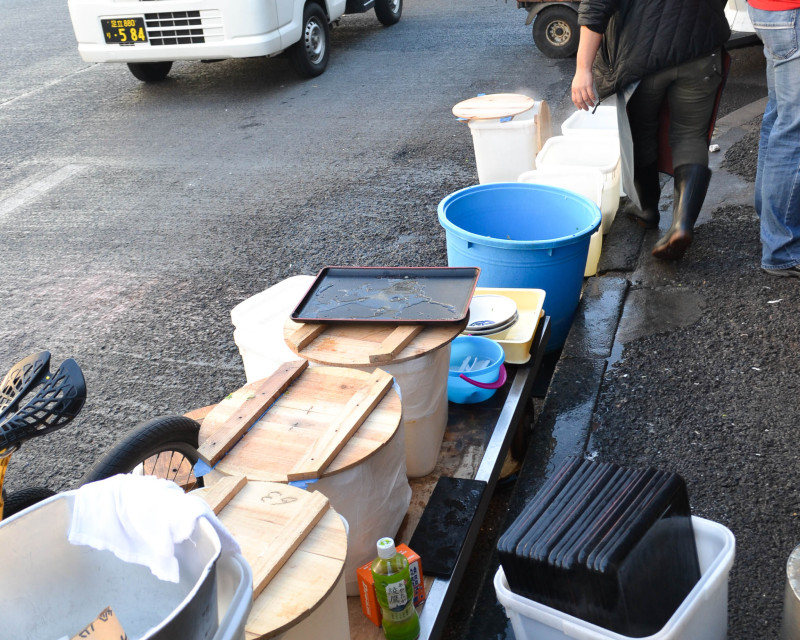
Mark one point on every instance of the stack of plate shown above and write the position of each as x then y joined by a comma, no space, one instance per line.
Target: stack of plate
491,314
612,546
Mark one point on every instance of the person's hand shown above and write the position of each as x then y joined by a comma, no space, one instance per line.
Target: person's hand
583,89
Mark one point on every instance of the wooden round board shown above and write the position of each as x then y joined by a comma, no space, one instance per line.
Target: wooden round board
257,516
298,419
355,344
494,105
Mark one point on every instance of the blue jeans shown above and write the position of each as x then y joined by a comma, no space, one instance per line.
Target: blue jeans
777,189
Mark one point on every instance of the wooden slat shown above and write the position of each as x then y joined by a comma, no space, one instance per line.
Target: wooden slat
353,414
223,491
304,335
394,343
227,434
270,561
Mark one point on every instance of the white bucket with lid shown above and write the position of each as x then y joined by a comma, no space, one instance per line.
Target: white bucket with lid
508,130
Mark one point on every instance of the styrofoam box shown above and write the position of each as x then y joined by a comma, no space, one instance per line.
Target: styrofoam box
703,615
574,152
587,182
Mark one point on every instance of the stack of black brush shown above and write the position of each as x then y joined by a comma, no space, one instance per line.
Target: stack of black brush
608,545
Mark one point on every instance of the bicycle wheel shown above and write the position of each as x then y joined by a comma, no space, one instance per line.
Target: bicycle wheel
24,498
165,447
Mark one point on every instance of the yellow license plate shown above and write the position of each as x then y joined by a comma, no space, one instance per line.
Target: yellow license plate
124,30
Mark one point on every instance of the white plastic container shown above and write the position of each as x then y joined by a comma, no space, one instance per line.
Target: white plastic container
587,182
234,596
603,122
582,123
506,148
258,326
57,588
573,153
703,615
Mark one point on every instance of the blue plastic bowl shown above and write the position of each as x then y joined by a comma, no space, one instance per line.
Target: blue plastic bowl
479,385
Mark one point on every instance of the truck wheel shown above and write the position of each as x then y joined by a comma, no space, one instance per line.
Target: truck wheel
310,55
556,32
150,71
388,11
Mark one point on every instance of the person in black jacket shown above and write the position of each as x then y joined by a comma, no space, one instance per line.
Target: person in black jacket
647,52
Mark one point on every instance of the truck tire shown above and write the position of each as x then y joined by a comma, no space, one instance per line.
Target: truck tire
556,31
388,11
150,71
310,55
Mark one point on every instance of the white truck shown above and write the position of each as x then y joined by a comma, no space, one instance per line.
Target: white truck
149,35
555,25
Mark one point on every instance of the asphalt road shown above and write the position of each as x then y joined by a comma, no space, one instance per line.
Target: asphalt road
134,217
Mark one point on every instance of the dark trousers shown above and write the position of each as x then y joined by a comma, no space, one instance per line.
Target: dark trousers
691,89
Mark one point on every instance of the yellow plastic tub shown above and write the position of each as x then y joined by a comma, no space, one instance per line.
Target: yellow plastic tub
516,341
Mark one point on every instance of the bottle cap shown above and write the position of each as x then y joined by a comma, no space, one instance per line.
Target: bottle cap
386,548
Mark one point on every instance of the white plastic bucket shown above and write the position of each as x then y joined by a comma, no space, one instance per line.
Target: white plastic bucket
575,152
58,588
422,383
504,148
258,326
703,615
585,181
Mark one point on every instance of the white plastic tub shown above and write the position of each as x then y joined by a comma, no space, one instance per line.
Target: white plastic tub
506,148
587,182
584,123
234,596
54,588
703,615
575,153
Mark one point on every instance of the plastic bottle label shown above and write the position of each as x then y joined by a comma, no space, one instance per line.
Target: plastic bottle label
398,616
396,595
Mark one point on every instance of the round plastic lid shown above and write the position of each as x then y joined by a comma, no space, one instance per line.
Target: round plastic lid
386,548
493,105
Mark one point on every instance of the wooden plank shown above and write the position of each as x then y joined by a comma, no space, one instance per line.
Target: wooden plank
270,561
227,434
353,415
223,491
394,343
304,335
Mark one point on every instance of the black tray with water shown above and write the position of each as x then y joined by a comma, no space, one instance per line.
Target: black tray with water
398,295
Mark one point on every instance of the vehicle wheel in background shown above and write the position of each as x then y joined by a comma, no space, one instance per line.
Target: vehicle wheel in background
310,55
19,500
556,31
150,71
388,11
165,447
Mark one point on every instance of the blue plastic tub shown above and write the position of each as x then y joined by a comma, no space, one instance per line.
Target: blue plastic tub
478,385
524,235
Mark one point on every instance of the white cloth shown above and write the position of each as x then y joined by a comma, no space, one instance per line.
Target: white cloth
140,519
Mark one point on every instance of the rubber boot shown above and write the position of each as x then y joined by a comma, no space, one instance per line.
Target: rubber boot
648,188
691,184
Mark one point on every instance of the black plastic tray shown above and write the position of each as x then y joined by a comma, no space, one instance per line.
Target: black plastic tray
397,295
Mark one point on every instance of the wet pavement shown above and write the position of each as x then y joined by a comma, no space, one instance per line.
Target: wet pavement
688,367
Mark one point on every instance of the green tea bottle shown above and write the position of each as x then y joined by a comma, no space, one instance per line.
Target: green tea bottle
395,593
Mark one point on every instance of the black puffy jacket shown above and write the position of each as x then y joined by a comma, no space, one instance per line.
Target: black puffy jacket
644,36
